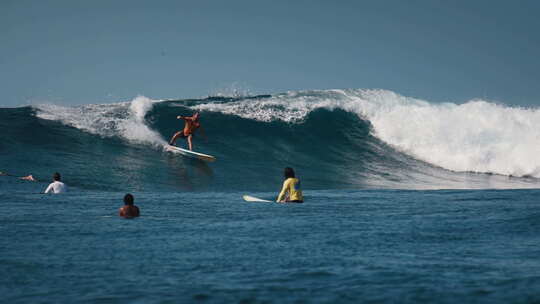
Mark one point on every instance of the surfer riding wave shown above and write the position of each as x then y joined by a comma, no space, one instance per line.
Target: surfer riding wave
191,124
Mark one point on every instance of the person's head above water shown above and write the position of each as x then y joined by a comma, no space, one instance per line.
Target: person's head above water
56,176
128,199
288,172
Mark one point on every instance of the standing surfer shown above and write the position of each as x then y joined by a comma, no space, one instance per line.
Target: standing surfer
291,191
191,124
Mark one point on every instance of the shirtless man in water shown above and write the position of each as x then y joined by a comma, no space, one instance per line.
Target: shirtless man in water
191,124
129,210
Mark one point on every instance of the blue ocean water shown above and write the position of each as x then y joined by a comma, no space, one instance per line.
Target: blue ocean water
394,211
345,246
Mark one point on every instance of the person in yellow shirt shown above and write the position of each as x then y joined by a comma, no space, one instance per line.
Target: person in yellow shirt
292,190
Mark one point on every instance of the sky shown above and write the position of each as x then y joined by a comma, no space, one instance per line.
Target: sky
79,52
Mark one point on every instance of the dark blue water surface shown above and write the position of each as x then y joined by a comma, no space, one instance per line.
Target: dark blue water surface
375,226
341,246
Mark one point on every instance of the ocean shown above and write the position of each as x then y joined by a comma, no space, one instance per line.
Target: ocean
406,201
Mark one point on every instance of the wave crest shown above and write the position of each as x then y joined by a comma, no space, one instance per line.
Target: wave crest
124,119
477,136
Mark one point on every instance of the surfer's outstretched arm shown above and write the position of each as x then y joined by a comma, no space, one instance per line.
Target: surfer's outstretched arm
186,118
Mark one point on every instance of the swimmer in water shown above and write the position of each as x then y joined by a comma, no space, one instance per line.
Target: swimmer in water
56,186
30,178
27,178
129,210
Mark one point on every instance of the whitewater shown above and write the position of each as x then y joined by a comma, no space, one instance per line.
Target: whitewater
475,136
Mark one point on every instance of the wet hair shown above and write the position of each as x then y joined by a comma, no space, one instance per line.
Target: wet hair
128,199
56,176
288,172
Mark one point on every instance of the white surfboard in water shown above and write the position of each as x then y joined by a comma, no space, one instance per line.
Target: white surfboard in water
191,154
249,198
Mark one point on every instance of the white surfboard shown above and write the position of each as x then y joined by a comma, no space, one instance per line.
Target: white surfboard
249,198
191,154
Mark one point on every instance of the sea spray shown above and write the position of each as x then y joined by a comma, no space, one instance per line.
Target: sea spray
93,118
135,128
125,119
476,136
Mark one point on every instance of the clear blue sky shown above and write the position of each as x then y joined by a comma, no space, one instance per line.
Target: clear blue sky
103,51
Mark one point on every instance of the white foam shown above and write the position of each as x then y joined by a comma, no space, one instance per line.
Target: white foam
125,119
291,107
476,136
135,128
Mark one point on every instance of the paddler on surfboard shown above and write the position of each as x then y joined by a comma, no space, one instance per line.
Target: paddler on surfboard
191,124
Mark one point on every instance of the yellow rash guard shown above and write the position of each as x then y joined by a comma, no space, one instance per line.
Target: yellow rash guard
291,186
